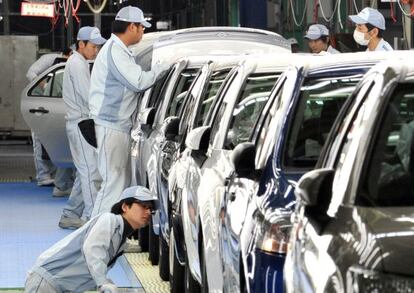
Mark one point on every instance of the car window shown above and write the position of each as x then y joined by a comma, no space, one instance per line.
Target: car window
319,104
49,86
158,90
180,91
389,180
266,137
252,98
216,80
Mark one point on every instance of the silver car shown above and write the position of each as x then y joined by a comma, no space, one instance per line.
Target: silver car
206,164
214,41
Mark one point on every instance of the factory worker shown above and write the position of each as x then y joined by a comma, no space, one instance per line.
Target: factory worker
76,83
369,30
80,261
115,80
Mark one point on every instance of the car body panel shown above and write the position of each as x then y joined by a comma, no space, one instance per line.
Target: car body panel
45,114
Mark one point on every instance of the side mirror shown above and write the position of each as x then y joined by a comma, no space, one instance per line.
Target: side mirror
146,119
197,139
314,186
171,127
314,191
243,159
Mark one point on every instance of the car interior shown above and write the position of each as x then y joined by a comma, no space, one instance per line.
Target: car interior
319,104
389,180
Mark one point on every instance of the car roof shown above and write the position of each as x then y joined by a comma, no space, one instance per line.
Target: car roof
225,32
402,64
148,39
343,61
218,60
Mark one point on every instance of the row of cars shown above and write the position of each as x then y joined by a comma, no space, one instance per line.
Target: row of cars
225,137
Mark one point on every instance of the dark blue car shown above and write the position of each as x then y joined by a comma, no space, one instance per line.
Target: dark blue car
259,200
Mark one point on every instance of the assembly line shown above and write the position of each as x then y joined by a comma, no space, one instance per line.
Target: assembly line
234,161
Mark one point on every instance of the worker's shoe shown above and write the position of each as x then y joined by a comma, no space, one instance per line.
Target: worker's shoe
132,246
61,193
45,182
70,223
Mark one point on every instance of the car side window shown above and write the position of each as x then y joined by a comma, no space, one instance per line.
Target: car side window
250,103
266,137
216,80
318,106
341,155
180,91
49,86
157,91
389,180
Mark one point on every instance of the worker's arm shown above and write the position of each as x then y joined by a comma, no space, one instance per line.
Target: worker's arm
131,74
96,248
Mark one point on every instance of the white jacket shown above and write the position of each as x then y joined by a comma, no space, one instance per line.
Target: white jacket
79,262
115,80
41,65
76,83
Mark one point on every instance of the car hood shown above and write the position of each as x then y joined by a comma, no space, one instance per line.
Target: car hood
393,230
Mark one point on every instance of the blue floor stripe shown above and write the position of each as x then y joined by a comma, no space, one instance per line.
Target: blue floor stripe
29,217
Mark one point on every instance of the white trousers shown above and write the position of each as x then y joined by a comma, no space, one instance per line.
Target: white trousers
87,175
114,164
37,284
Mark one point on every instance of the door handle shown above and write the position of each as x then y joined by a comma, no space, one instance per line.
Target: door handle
39,110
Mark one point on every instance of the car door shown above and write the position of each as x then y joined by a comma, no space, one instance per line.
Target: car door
237,125
312,245
239,191
44,110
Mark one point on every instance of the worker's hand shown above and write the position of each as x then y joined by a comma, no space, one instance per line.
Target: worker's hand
161,67
108,288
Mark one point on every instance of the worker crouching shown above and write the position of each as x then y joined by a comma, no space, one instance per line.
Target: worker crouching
80,261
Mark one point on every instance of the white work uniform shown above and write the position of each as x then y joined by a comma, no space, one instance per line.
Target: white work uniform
79,262
332,50
112,101
383,46
43,63
76,83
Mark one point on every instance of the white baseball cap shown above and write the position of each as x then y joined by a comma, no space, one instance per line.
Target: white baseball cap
90,34
316,31
141,194
371,16
132,14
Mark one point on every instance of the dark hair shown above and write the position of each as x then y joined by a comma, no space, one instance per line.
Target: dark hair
66,51
77,43
371,27
324,39
117,208
119,27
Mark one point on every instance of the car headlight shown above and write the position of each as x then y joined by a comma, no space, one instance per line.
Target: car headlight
362,280
272,234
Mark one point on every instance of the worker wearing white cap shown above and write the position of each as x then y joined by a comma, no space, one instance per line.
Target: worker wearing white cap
115,80
370,25
318,40
76,84
80,261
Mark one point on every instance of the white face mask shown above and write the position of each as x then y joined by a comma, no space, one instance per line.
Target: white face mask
359,37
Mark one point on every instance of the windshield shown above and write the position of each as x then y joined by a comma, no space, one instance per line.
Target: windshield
319,104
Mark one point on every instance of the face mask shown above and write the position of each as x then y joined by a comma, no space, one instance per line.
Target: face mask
359,37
